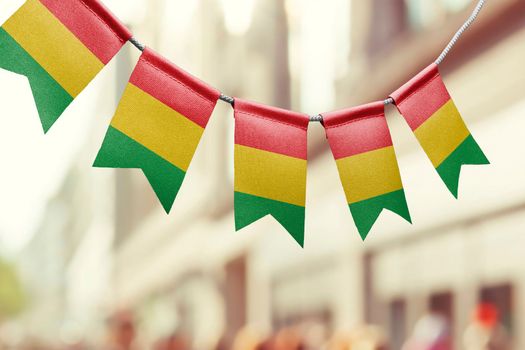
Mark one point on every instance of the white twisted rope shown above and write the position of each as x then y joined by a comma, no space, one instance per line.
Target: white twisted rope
454,39
460,32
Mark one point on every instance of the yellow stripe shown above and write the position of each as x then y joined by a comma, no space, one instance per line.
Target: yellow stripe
442,133
369,174
157,127
53,46
270,175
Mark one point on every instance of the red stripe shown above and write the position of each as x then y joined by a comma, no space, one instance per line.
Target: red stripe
357,130
422,96
93,24
271,129
175,88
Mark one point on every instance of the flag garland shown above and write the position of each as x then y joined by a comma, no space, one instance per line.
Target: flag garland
362,147
60,46
270,166
158,124
435,120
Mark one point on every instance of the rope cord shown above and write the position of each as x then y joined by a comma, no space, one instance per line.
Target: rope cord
227,99
137,44
460,32
388,101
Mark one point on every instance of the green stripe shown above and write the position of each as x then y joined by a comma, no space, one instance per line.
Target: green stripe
365,213
468,152
120,151
249,208
50,98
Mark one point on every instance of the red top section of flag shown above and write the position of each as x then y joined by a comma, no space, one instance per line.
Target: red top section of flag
357,130
422,96
93,24
174,87
271,129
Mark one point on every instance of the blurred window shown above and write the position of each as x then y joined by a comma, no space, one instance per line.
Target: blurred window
318,54
425,13
238,15
456,5
388,21
398,315
235,296
443,305
501,297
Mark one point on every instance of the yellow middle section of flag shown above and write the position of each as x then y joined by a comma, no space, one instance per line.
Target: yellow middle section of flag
442,133
53,46
371,174
157,127
270,175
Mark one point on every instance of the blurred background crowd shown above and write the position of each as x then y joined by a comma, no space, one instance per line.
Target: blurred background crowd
89,260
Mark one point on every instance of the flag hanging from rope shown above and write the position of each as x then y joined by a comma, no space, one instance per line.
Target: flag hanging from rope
270,166
158,124
362,147
433,117
60,46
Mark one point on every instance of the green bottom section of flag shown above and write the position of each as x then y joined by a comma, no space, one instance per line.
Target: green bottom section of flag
365,213
468,153
120,151
249,209
50,98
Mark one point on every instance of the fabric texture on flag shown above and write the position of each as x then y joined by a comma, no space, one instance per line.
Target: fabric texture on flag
435,120
270,166
158,124
362,147
60,46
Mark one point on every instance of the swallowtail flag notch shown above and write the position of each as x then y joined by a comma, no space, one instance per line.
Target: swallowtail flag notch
270,166
158,124
426,105
362,147
60,46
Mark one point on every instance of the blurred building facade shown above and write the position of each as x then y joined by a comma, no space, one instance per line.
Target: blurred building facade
190,270
456,256
262,277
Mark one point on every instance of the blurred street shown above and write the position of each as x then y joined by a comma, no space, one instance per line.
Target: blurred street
90,260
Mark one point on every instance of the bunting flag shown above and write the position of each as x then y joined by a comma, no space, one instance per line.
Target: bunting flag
430,112
270,166
158,124
362,147
60,46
